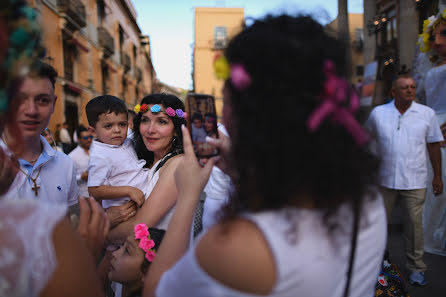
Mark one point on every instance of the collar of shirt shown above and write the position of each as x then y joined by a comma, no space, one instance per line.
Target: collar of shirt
47,153
412,108
126,142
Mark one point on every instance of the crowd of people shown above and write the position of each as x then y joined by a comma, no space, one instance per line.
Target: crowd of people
285,213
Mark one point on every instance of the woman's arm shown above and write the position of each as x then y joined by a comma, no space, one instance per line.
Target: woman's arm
160,201
190,178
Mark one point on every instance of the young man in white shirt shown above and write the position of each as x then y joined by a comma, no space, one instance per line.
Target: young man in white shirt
45,174
405,132
80,155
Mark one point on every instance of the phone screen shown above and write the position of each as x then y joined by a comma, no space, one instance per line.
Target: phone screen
202,122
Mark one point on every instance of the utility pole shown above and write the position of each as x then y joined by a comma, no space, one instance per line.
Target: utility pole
344,35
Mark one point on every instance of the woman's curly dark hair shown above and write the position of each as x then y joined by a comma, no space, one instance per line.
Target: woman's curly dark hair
278,159
167,100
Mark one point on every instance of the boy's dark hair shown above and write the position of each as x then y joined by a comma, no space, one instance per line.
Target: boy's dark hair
45,70
79,130
103,104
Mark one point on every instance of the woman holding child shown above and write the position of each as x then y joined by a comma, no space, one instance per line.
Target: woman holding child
159,141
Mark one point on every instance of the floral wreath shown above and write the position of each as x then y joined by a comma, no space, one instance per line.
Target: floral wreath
428,25
145,242
156,109
236,72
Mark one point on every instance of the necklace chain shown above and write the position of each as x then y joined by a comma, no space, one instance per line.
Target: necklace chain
35,187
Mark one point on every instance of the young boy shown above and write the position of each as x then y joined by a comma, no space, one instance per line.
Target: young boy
115,174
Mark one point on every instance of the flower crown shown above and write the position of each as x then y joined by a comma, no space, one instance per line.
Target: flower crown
428,25
145,242
237,73
156,109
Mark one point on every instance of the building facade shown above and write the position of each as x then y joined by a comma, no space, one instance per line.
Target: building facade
391,36
97,48
213,28
355,22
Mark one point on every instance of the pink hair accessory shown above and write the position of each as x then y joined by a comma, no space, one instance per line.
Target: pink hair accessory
146,243
336,91
170,111
141,231
240,78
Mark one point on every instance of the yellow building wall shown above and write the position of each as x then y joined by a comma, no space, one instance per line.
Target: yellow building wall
355,20
87,71
206,19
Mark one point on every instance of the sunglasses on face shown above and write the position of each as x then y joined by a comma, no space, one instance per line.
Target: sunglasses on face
87,137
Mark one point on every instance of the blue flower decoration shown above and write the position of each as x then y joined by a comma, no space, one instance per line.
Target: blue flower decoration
155,108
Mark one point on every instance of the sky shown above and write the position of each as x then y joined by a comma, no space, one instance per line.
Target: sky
170,23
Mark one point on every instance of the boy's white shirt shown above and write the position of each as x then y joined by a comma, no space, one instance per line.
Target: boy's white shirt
116,165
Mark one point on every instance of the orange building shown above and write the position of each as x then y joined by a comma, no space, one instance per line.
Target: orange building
97,48
214,27
356,25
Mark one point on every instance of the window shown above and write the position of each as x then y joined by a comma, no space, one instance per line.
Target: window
121,43
359,70
220,37
100,11
389,33
134,54
68,58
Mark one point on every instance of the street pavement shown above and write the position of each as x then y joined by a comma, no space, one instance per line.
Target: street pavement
435,275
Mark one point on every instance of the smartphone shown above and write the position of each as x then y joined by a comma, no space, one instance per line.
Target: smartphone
202,122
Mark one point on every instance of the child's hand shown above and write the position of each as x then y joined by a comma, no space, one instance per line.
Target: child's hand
136,195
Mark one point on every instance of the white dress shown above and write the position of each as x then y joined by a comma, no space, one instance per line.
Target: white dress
434,214
314,264
27,256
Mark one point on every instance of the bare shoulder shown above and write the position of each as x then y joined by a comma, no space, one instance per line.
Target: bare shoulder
237,255
171,164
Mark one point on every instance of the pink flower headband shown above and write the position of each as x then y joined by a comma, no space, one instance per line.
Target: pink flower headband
336,90
146,243
237,73
156,108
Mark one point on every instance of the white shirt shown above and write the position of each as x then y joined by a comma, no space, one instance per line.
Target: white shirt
56,180
315,264
80,159
218,183
64,136
116,165
401,143
435,88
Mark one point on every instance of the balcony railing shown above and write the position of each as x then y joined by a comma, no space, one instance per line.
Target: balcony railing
125,60
75,11
106,41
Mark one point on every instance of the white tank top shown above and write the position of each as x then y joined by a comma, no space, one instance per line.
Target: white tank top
315,265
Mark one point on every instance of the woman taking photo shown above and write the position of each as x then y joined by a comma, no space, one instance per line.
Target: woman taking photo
305,217
158,140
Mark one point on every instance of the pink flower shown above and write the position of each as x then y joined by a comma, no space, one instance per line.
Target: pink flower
150,255
170,112
145,244
141,231
240,78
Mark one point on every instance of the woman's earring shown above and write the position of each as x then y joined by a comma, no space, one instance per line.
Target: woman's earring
174,140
